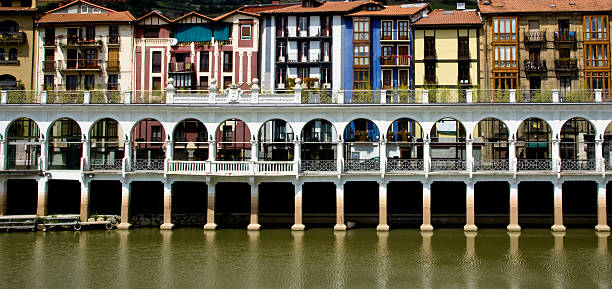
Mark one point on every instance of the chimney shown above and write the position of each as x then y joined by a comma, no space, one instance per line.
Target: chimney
460,5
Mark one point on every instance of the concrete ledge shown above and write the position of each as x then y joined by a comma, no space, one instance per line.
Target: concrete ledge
382,227
513,228
166,226
340,227
602,228
124,226
558,228
254,227
470,228
210,226
298,227
426,227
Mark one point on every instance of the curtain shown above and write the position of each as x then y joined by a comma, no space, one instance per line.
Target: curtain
189,33
222,32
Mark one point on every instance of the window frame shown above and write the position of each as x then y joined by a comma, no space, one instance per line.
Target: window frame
250,34
497,33
386,34
403,33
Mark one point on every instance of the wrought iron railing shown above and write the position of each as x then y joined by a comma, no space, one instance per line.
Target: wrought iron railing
148,165
22,97
448,165
361,165
105,164
317,96
318,166
578,165
491,165
394,165
534,164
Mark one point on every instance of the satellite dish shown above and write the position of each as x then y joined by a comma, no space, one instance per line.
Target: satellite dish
173,41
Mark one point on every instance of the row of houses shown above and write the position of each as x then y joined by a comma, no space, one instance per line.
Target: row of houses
504,44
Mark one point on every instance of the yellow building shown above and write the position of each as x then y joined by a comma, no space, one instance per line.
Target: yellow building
17,44
446,49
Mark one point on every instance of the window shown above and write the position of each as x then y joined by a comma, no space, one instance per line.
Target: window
90,59
281,51
71,82
113,82
387,78
388,55
403,78
90,33
203,82
26,3
281,75
387,30
504,29
113,34
302,29
430,47
151,32
325,25
204,61
534,24
227,81
156,62
403,31
113,58
361,30
326,51
90,80
430,73
361,55
303,72
245,32
281,26
565,83
156,83
227,133
156,133
464,48
361,78
326,76
596,55
49,64
505,80
595,27
303,51
227,61
597,80
504,56
464,72
49,82
50,36
73,35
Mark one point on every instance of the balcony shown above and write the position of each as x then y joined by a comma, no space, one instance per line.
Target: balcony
362,165
49,66
149,165
578,165
80,65
395,60
535,67
492,165
75,41
566,65
114,40
388,36
306,60
113,65
12,37
306,34
105,165
534,165
448,165
49,41
9,61
403,165
565,37
318,166
430,54
535,37
185,67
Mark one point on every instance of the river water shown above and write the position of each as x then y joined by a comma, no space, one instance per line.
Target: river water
316,258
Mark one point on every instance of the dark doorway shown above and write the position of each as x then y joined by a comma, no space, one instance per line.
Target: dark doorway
276,204
580,204
105,198
405,204
147,203
64,197
233,204
448,204
535,204
319,204
189,203
21,197
492,204
361,203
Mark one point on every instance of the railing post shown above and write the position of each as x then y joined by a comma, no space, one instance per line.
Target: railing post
170,91
212,91
340,156
556,157
3,151
555,96
86,97
383,96
426,155
425,99
127,97
469,155
297,90
469,96
297,151
599,160
340,96
512,154
512,96
44,97
255,91
382,152
598,97
3,97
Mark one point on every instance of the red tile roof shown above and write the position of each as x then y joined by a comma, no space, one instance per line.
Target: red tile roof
326,7
77,1
529,6
195,14
258,8
394,10
237,11
123,16
156,14
5,10
450,17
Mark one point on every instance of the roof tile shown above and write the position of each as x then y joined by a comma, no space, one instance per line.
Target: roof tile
123,16
529,6
394,10
326,7
455,17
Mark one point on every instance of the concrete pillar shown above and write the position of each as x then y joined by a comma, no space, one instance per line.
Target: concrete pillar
469,155
512,154
210,211
44,149
340,225
470,244
599,159
41,208
558,208
382,206
382,152
3,195
602,214
514,226
254,223
125,206
167,225
556,157
212,150
84,200
602,242
426,155
426,226
470,224
340,156
86,145
298,224
558,243
3,150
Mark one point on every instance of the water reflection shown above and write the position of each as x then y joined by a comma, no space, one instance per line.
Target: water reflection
383,260
297,260
470,262
338,279
426,260
514,260
557,264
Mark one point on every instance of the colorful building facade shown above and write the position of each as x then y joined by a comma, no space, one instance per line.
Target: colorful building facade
17,44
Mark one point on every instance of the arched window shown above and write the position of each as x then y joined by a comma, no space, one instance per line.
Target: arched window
12,54
7,81
8,26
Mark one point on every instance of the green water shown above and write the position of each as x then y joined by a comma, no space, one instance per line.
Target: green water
317,258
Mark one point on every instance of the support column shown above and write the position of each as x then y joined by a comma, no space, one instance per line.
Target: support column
602,214
167,224
426,155
44,149
298,224
86,154
340,225
3,196
3,151
556,156
84,200
470,224
382,206
426,226
212,150
512,154
599,159
41,208
254,224
514,226
558,208
125,206
340,156
210,211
